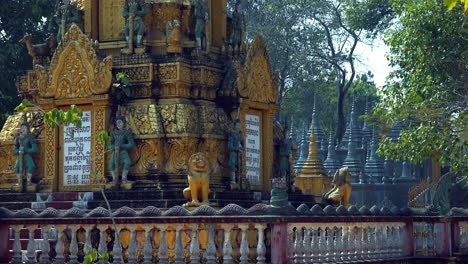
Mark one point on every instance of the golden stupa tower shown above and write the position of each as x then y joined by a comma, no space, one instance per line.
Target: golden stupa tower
313,179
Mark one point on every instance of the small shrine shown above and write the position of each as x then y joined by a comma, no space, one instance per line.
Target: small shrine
195,86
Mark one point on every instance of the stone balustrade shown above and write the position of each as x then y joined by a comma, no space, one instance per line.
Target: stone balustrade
231,235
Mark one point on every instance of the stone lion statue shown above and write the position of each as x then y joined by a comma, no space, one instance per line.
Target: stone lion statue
341,191
198,179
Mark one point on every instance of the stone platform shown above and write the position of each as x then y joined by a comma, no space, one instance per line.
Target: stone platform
139,199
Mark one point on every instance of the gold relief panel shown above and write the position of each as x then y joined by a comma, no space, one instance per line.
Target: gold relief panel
178,151
111,21
142,91
255,79
163,13
138,73
185,73
75,70
143,119
196,75
11,128
147,154
216,152
167,72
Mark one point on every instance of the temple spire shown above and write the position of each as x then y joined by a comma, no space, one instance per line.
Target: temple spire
352,161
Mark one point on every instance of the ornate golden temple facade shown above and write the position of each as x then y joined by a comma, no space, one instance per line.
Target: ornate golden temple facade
183,100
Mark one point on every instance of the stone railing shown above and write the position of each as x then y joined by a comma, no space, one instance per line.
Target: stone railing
232,235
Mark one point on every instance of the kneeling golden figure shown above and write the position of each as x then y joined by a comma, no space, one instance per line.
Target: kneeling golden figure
341,191
198,179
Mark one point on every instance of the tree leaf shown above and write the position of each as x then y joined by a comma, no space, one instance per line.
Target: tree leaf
450,4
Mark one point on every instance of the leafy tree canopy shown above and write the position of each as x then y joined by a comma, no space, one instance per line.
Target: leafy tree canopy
18,17
427,89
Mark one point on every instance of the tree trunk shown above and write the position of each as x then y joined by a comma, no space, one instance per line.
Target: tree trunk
340,127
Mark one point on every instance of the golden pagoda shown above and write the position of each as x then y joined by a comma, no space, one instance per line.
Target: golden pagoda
185,96
313,178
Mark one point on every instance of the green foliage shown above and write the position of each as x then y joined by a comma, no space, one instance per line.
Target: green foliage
93,256
373,16
104,138
18,17
56,117
453,3
426,90
120,90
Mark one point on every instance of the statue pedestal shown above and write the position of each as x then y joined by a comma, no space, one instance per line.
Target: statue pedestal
126,51
173,49
127,185
139,50
313,185
16,188
32,188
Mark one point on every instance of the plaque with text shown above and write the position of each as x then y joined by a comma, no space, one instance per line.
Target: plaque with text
77,152
252,148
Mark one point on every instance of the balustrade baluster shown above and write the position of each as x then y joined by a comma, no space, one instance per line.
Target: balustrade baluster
227,247
163,245
291,243
87,245
314,244
59,246
329,244
322,244
31,248
132,247
179,248
117,249
148,247
211,247
363,241
45,246
73,246
357,242
16,246
298,245
378,241
102,243
194,246
244,246
401,243
344,244
306,245
261,249
337,244
370,246
395,241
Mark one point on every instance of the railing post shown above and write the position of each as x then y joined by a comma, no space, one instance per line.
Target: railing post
261,249
443,234
211,247
4,236
279,243
163,244
16,246
408,240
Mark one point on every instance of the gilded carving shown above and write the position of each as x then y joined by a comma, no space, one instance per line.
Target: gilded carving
168,72
112,22
74,70
13,122
215,151
255,79
163,13
179,150
100,148
138,73
147,154
143,119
